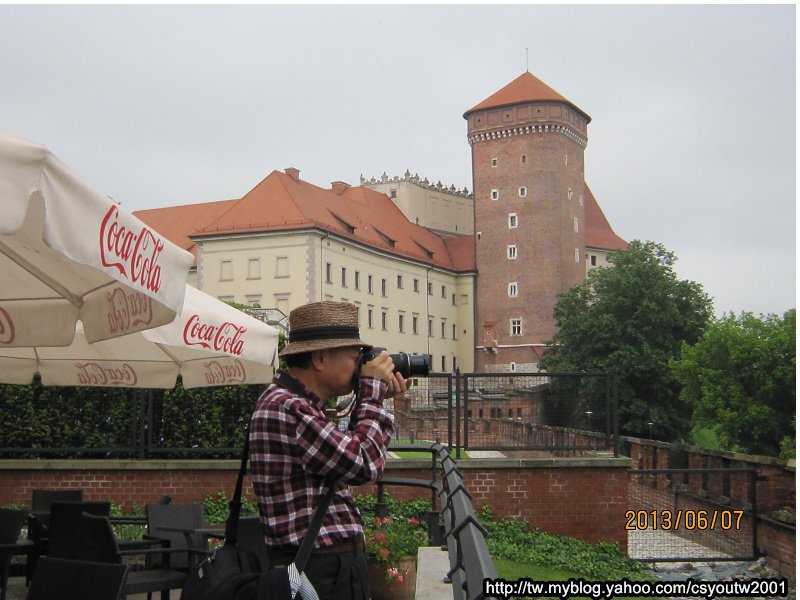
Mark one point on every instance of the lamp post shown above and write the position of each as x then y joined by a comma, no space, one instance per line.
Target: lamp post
650,425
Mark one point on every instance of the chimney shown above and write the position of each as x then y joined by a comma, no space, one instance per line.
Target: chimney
293,173
338,187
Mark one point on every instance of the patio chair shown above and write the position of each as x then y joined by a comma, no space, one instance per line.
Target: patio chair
39,520
93,540
11,522
77,580
182,520
62,517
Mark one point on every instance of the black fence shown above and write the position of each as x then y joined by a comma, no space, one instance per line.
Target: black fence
684,515
513,411
473,412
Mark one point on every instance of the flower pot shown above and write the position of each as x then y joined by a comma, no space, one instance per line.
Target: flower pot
399,587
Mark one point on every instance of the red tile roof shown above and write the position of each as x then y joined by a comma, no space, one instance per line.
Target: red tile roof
281,202
598,231
177,223
525,88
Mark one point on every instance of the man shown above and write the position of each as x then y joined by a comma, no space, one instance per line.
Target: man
296,452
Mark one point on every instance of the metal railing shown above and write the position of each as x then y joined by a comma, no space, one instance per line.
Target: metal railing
464,536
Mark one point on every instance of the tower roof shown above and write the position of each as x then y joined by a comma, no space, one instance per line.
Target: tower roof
525,88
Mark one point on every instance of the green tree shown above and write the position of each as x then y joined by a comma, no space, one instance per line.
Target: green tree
631,319
739,378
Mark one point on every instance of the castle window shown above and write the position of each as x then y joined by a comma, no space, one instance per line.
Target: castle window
357,280
516,327
569,194
416,285
415,324
392,193
565,159
328,273
511,252
254,268
282,266
512,367
523,191
575,224
495,194
478,235
399,282
512,289
593,260
580,199
383,287
401,322
494,162
225,270
577,255
344,277
370,313
524,159
512,221
369,284
383,319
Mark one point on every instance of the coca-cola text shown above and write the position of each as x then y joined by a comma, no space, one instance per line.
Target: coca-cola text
225,338
135,255
92,373
127,311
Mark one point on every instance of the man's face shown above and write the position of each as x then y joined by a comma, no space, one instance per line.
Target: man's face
339,366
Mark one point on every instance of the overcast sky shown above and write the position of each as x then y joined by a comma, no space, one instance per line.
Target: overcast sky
691,144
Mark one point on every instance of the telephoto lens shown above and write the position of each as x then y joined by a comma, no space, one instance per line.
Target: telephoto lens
408,365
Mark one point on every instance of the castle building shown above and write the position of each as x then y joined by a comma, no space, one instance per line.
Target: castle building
531,226
469,279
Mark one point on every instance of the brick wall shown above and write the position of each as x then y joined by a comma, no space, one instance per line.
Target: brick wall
585,498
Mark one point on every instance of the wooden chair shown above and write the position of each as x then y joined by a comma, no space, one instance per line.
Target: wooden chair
11,522
77,580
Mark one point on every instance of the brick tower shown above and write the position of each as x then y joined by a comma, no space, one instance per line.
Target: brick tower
527,172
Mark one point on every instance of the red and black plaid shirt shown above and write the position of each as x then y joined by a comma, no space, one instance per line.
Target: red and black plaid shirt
294,448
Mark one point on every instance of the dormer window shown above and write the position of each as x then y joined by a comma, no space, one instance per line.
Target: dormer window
389,241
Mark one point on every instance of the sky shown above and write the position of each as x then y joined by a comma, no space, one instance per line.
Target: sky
692,142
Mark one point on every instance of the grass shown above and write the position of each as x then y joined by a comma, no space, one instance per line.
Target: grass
422,454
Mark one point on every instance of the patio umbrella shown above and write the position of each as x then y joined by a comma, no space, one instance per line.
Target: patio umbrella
68,252
209,343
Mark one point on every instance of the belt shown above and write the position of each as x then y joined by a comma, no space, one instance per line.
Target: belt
345,546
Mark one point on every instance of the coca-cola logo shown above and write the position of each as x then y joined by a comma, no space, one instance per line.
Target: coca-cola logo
92,373
127,311
225,338
7,333
224,373
134,254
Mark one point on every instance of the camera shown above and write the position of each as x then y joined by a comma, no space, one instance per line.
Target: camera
408,365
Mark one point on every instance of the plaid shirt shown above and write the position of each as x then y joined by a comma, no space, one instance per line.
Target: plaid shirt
294,448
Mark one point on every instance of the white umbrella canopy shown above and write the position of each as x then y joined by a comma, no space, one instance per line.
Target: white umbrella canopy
208,344
68,252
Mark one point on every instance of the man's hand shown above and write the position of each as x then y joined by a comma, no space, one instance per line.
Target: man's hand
382,367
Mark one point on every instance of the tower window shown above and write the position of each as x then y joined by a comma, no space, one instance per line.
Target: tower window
569,194
580,199
577,255
516,327
512,289
494,162
523,191
575,224
512,221
478,235
495,194
511,252
524,159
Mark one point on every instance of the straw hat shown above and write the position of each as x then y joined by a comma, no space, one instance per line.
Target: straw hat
322,325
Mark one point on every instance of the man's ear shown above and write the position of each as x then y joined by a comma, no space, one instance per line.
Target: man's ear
318,358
